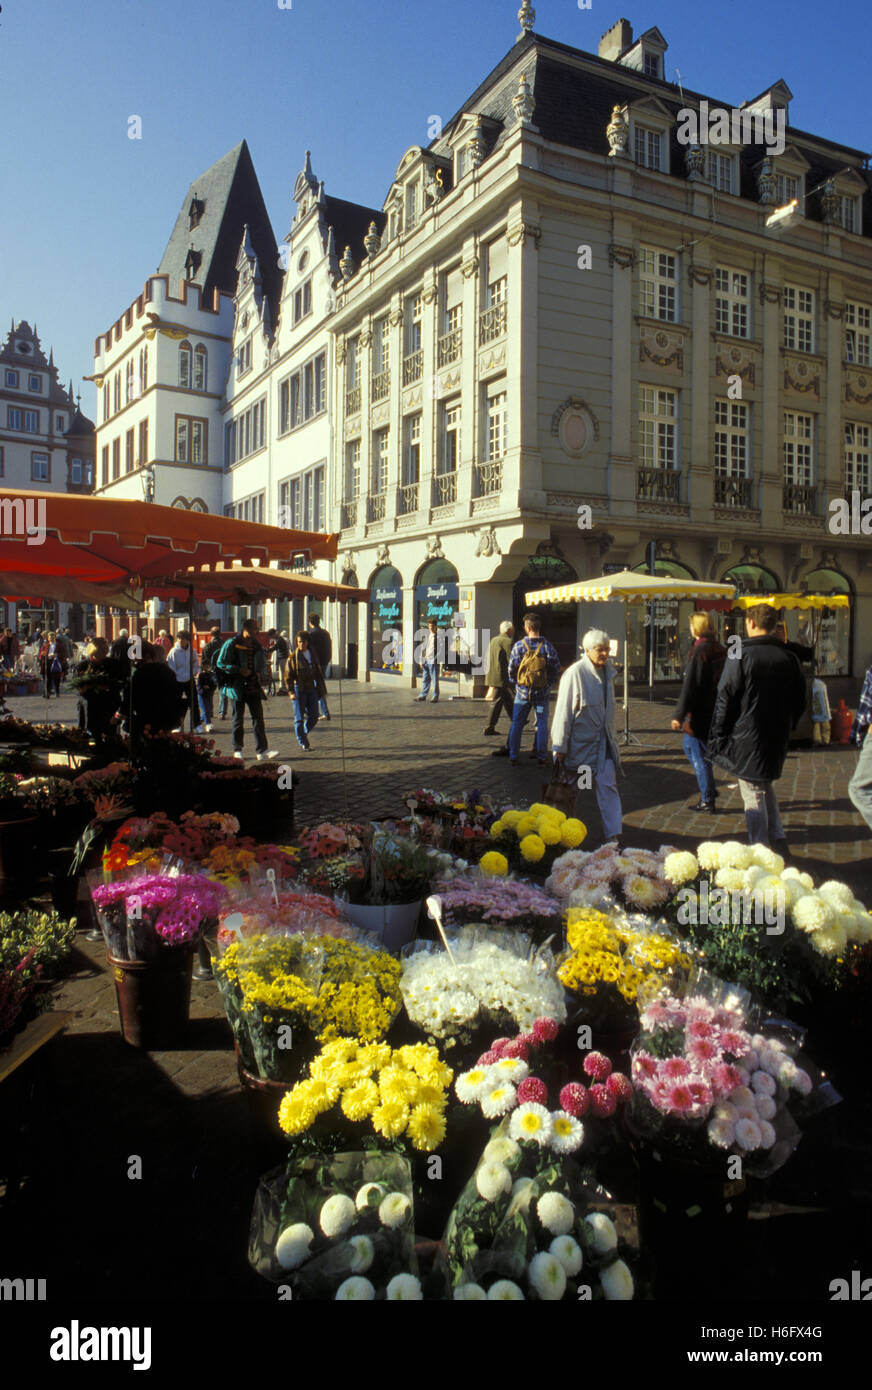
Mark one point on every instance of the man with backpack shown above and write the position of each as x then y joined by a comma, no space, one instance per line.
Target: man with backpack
240,667
534,666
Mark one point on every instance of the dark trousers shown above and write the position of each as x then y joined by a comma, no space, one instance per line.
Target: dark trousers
504,701
252,700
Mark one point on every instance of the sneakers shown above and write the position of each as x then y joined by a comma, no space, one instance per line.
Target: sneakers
326,716
269,754
704,806
237,753
207,728
490,733
419,698
200,729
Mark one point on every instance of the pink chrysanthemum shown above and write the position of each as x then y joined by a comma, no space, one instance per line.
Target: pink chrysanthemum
735,1042
597,1065
644,1067
680,1098
575,1099
602,1102
699,1028
703,1050
532,1089
499,1046
619,1086
675,1068
700,1093
725,1078
517,1048
654,1014
659,1093
487,1059
545,1030
699,1009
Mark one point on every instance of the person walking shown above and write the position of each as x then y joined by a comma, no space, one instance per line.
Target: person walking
321,643
278,652
209,659
583,731
534,666
760,698
821,714
184,663
860,785
165,641
206,685
430,663
497,677
10,649
55,665
99,698
155,698
696,704
305,681
240,667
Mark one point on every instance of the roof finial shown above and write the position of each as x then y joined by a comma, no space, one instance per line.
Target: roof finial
527,17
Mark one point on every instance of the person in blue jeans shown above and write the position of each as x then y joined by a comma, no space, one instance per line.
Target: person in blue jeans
696,704
305,681
534,666
430,663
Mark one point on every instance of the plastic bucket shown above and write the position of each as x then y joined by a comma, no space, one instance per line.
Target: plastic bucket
395,925
154,997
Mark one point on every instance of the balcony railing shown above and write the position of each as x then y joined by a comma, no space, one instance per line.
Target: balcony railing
658,485
375,507
381,386
349,513
732,491
444,489
800,499
407,499
413,367
449,347
352,401
488,478
492,323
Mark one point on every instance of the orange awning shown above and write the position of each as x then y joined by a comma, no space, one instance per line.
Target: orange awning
241,585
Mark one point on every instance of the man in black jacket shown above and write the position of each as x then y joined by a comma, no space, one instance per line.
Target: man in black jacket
322,645
760,698
696,704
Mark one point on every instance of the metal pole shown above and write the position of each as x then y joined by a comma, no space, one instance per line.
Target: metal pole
652,569
192,685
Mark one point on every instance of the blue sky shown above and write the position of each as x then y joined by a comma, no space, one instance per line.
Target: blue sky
87,212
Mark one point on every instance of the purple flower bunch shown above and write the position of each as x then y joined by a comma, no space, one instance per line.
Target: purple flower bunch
498,900
175,907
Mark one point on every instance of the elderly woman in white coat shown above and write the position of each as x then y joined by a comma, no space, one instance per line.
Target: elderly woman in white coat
583,731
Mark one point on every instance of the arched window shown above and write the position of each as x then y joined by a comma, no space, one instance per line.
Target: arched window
181,503
751,579
559,620
200,365
128,381
386,620
829,630
185,365
198,505
671,627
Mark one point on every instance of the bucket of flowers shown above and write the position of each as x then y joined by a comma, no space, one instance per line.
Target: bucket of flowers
532,840
387,900
633,877
489,896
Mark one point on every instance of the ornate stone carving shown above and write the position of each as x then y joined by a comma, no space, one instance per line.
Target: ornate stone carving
604,542
341,353
766,183
519,233
663,349
487,543
833,309
576,426
489,361
372,240
694,162
396,318
830,204
346,265
469,268
861,396
349,561
365,338
752,555
526,18
769,294
523,102
384,554
434,186
623,256
618,133
429,293
698,275
799,376
434,548
475,144
736,365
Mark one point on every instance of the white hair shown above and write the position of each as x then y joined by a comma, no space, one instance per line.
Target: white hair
595,637
507,627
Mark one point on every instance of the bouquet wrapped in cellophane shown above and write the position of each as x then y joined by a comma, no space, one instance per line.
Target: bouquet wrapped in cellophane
616,962
141,913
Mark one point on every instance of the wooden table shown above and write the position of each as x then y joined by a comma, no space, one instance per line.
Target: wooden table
31,1038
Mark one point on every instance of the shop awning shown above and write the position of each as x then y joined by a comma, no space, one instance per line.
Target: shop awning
629,586
242,584
794,600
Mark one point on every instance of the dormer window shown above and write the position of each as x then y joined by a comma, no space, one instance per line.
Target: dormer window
195,213
412,206
720,171
192,263
650,124
652,63
648,147
849,214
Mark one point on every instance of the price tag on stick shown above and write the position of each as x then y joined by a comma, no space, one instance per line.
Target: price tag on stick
434,907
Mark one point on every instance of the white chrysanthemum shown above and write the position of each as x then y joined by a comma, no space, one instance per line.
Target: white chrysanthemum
811,913
762,1083
355,1290
741,1096
470,1293
492,1180
726,1111
361,1255
520,1187
732,853
752,1060
556,1213
547,1276
801,1081
786,1073
862,924
709,855
567,1133
830,941
292,1246
762,854
766,1107
337,1214
369,1195
681,867
502,1150
837,893
471,1085
752,876
505,1291
395,1210
602,1233
748,1134
792,890
404,1288
721,1132
731,879
510,1069
767,1134
499,1100
568,1252
617,1282
531,1122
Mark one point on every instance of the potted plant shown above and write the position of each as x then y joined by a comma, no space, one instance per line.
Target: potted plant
387,900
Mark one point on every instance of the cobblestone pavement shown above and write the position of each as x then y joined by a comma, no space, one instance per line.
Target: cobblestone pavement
98,1102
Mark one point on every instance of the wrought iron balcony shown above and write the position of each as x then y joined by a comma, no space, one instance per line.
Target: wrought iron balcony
733,491
492,323
352,401
800,499
444,489
488,478
413,367
658,485
381,386
449,347
349,513
375,507
407,499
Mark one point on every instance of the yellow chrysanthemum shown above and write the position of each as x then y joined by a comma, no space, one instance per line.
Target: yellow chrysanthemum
511,818
525,826
359,1101
498,829
426,1127
390,1119
532,848
549,831
572,832
374,1056
493,863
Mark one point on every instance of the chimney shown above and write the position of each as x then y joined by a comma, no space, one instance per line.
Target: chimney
616,40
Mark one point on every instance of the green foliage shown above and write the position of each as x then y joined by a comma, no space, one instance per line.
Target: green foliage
45,936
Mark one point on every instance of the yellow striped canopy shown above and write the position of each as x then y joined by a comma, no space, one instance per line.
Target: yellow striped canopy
628,586
795,600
